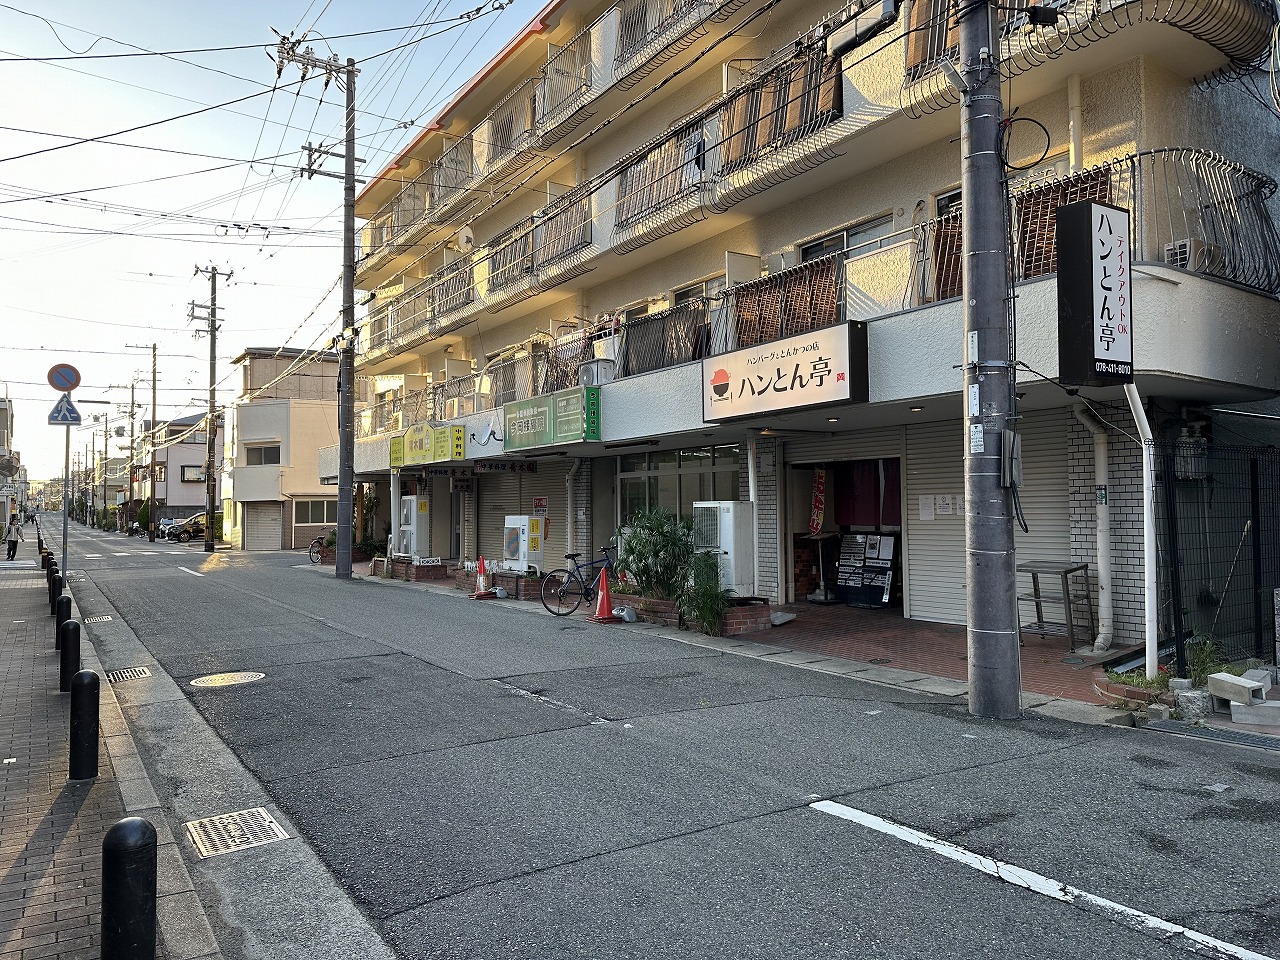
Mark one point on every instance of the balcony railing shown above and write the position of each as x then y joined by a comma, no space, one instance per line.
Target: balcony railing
565,228
788,303
458,397
456,166
566,80
454,288
398,413
511,127
679,334
646,23
668,172
510,256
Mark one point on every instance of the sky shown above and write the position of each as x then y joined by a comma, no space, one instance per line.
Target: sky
110,198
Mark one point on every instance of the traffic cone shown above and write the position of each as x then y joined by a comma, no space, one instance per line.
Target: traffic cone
604,604
482,584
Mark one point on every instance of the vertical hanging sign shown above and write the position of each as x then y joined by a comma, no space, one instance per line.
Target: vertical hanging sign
1095,295
817,514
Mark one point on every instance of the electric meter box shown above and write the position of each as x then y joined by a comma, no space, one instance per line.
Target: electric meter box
522,543
413,538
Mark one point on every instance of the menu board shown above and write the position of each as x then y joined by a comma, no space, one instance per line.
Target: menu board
865,568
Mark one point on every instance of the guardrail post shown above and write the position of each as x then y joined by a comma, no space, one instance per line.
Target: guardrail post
129,891
62,613
84,726
69,665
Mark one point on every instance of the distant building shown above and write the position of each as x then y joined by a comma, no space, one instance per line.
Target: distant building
181,453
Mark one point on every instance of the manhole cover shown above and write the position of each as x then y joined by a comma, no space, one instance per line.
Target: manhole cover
234,831
128,673
226,679
1073,659
101,618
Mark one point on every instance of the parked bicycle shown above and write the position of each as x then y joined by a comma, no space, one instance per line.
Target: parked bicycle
316,546
564,590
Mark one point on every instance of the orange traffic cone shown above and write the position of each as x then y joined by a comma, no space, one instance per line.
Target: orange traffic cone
482,584
604,604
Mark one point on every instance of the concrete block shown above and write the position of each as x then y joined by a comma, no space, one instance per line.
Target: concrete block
1194,704
1179,683
1264,677
1227,686
1265,713
1158,711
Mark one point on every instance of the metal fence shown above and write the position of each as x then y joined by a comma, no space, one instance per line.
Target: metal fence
664,339
1218,529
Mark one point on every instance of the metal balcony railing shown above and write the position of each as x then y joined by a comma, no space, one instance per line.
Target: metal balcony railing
513,378
642,23
452,172
566,80
510,256
397,413
459,397
565,227
510,127
679,334
454,287
668,172
788,303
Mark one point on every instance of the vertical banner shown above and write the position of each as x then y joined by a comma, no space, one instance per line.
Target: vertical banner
818,513
1095,295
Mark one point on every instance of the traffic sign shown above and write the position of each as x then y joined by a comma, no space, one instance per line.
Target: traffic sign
64,413
64,378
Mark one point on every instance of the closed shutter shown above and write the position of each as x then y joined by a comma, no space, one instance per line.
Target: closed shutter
548,482
863,445
262,526
499,496
935,548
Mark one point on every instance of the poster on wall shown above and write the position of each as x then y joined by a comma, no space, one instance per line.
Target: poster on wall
1095,295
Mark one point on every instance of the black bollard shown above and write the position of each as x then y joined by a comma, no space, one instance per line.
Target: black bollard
84,726
55,591
50,570
69,665
129,891
62,614
44,558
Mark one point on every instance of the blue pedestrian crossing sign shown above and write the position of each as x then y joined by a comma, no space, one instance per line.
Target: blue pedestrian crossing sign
64,413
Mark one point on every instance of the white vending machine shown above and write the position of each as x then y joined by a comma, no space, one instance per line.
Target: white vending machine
522,544
413,536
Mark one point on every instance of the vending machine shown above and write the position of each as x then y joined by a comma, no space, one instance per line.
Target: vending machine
413,536
522,544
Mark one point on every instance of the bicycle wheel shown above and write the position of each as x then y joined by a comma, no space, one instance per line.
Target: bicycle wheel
314,553
562,592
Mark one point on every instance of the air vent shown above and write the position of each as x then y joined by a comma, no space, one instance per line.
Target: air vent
234,831
128,673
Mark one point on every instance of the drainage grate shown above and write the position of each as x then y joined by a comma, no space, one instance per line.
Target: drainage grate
226,679
234,831
128,673
1240,737
101,618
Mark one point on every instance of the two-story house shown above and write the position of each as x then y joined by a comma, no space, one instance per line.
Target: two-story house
663,252
285,412
180,456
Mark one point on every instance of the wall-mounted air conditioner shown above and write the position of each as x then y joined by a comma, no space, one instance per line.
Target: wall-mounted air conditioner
727,527
1192,253
593,373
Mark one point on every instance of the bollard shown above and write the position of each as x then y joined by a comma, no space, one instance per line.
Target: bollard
63,613
69,665
129,891
84,726
50,569
44,558
55,591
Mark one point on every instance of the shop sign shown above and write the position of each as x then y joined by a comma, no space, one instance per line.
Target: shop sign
450,472
462,485
397,452
825,366
568,416
426,444
1095,295
506,466
817,514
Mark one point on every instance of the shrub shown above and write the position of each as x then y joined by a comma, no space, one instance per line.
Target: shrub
703,601
655,553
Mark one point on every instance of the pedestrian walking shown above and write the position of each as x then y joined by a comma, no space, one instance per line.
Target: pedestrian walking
12,534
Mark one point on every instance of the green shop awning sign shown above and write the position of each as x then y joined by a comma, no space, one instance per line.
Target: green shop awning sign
568,416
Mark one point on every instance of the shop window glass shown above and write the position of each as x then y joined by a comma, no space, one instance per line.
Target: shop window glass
631,462
696,458
725,485
663,493
632,497
728,455
666,460
693,488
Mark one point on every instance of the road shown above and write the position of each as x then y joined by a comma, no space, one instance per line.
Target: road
466,780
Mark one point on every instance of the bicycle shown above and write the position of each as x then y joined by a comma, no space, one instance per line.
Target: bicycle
563,590
316,546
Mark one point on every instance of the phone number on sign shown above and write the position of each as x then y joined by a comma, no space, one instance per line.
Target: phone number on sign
1122,368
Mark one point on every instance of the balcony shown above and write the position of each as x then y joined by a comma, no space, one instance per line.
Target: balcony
788,303
661,190
460,397
565,86
395,414
509,267
454,287
563,238
508,132
450,176
679,334
651,32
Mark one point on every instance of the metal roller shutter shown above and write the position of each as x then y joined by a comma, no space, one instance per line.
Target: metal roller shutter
549,482
862,445
935,548
262,526
499,495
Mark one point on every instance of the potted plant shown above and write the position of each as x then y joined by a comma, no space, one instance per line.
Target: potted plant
656,548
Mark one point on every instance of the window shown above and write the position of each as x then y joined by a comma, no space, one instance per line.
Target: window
193,473
674,480
856,240
160,472
315,511
704,289
261,456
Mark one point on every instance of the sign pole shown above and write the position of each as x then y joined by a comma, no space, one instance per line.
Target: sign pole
66,498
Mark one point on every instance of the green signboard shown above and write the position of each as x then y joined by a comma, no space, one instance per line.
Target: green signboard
568,416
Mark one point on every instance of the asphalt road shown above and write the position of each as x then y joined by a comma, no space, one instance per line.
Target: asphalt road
479,781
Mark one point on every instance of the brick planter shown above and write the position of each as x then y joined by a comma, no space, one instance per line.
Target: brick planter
1119,693
650,610
409,572
329,555
746,618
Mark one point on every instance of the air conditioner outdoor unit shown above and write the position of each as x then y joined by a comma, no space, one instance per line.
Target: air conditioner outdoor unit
1192,253
595,372
452,408
727,527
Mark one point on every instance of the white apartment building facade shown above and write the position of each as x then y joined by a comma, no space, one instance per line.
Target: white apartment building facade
662,252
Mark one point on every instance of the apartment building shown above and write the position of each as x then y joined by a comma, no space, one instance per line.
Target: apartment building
666,252
13,491
272,497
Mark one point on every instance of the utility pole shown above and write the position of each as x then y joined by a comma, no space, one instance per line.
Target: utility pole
151,514
211,432
106,456
995,669
128,520
287,52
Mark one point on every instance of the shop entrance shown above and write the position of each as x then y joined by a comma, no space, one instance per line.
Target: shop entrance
846,524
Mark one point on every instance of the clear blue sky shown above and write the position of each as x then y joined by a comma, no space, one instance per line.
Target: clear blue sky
107,264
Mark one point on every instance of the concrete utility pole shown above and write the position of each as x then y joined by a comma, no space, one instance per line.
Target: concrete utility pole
995,668
128,520
211,427
287,52
151,514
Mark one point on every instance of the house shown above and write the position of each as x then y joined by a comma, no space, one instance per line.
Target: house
658,254
180,456
285,412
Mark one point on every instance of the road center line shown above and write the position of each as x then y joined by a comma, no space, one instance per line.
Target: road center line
192,572
120,554
1144,923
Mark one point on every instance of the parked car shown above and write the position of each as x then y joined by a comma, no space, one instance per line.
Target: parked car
184,531
162,528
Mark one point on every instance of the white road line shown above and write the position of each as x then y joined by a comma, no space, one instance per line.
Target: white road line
192,572
178,552
120,554
1144,923
93,556
148,553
